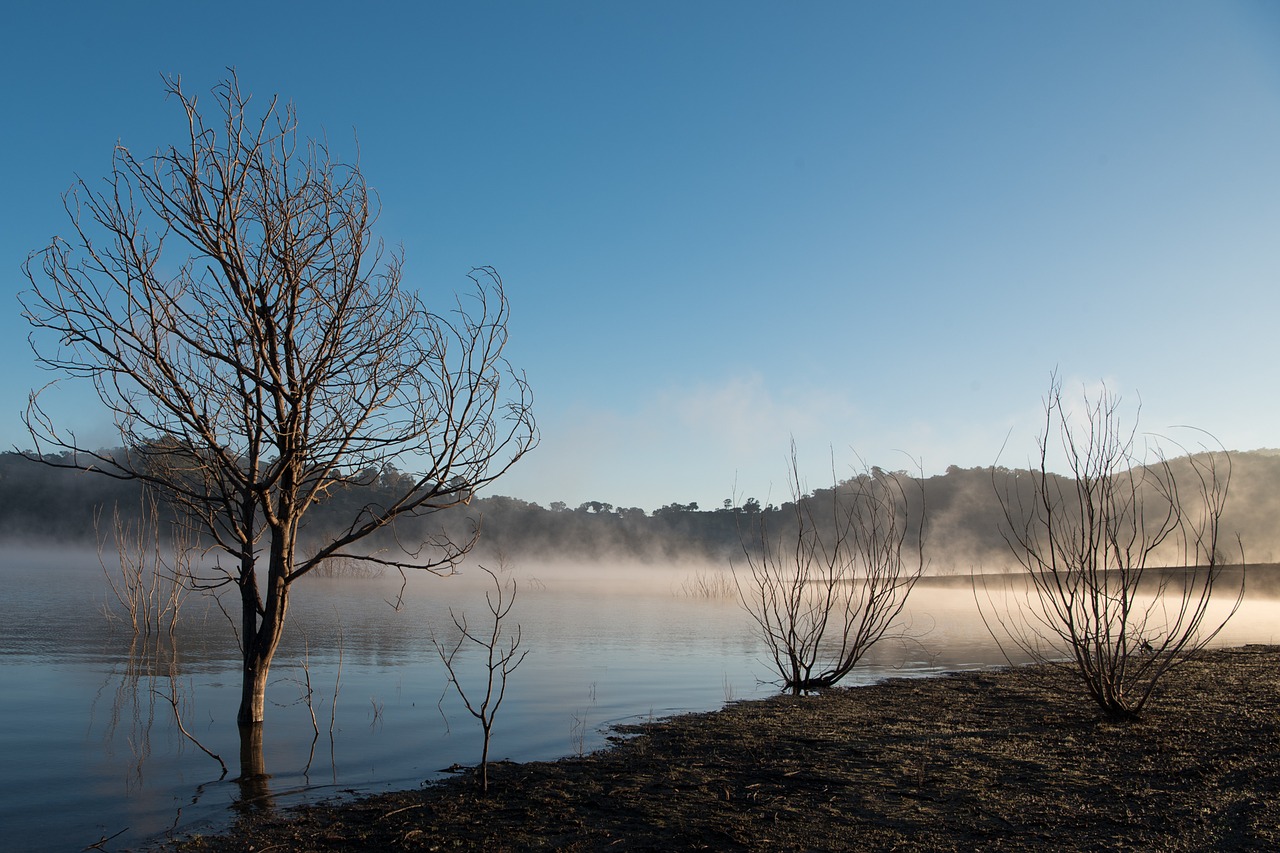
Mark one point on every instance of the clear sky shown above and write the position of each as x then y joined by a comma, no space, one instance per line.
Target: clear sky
876,227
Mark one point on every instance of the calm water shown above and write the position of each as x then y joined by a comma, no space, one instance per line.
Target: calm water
90,746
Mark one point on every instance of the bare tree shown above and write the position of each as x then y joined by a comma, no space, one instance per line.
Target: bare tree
1122,557
258,349
828,586
502,656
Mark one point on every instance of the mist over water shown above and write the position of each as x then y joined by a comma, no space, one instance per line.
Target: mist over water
91,749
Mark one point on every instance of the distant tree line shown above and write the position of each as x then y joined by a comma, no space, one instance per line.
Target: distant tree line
43,505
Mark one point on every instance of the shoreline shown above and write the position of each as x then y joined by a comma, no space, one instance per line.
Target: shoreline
1005,759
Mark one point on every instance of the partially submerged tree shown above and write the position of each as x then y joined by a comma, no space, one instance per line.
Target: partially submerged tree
231,307
1122,558
826,587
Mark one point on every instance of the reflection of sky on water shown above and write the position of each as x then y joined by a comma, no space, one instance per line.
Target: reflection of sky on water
89,745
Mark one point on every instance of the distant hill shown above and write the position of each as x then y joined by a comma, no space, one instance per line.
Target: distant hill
42,504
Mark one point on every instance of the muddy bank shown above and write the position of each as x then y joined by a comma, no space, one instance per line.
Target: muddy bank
1005,760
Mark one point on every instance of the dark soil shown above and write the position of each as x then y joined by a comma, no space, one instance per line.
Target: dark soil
1007,760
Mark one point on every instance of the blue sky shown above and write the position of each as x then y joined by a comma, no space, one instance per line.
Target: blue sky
875,227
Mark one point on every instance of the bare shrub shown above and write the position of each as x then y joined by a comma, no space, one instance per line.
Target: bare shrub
827,587
1121,556
502,656
349,568
148,586
709,584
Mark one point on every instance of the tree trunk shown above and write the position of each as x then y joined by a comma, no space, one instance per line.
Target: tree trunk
253,690
255,789
262,635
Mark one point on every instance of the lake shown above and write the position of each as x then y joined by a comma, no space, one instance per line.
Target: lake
91,749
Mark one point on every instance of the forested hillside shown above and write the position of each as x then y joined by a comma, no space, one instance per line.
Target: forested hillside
40,504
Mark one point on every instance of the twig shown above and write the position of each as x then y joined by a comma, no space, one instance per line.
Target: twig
397,811
97,845
177,716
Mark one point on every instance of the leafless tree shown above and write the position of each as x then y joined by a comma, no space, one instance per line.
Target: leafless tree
502,656
1121,557
827,587
229,304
